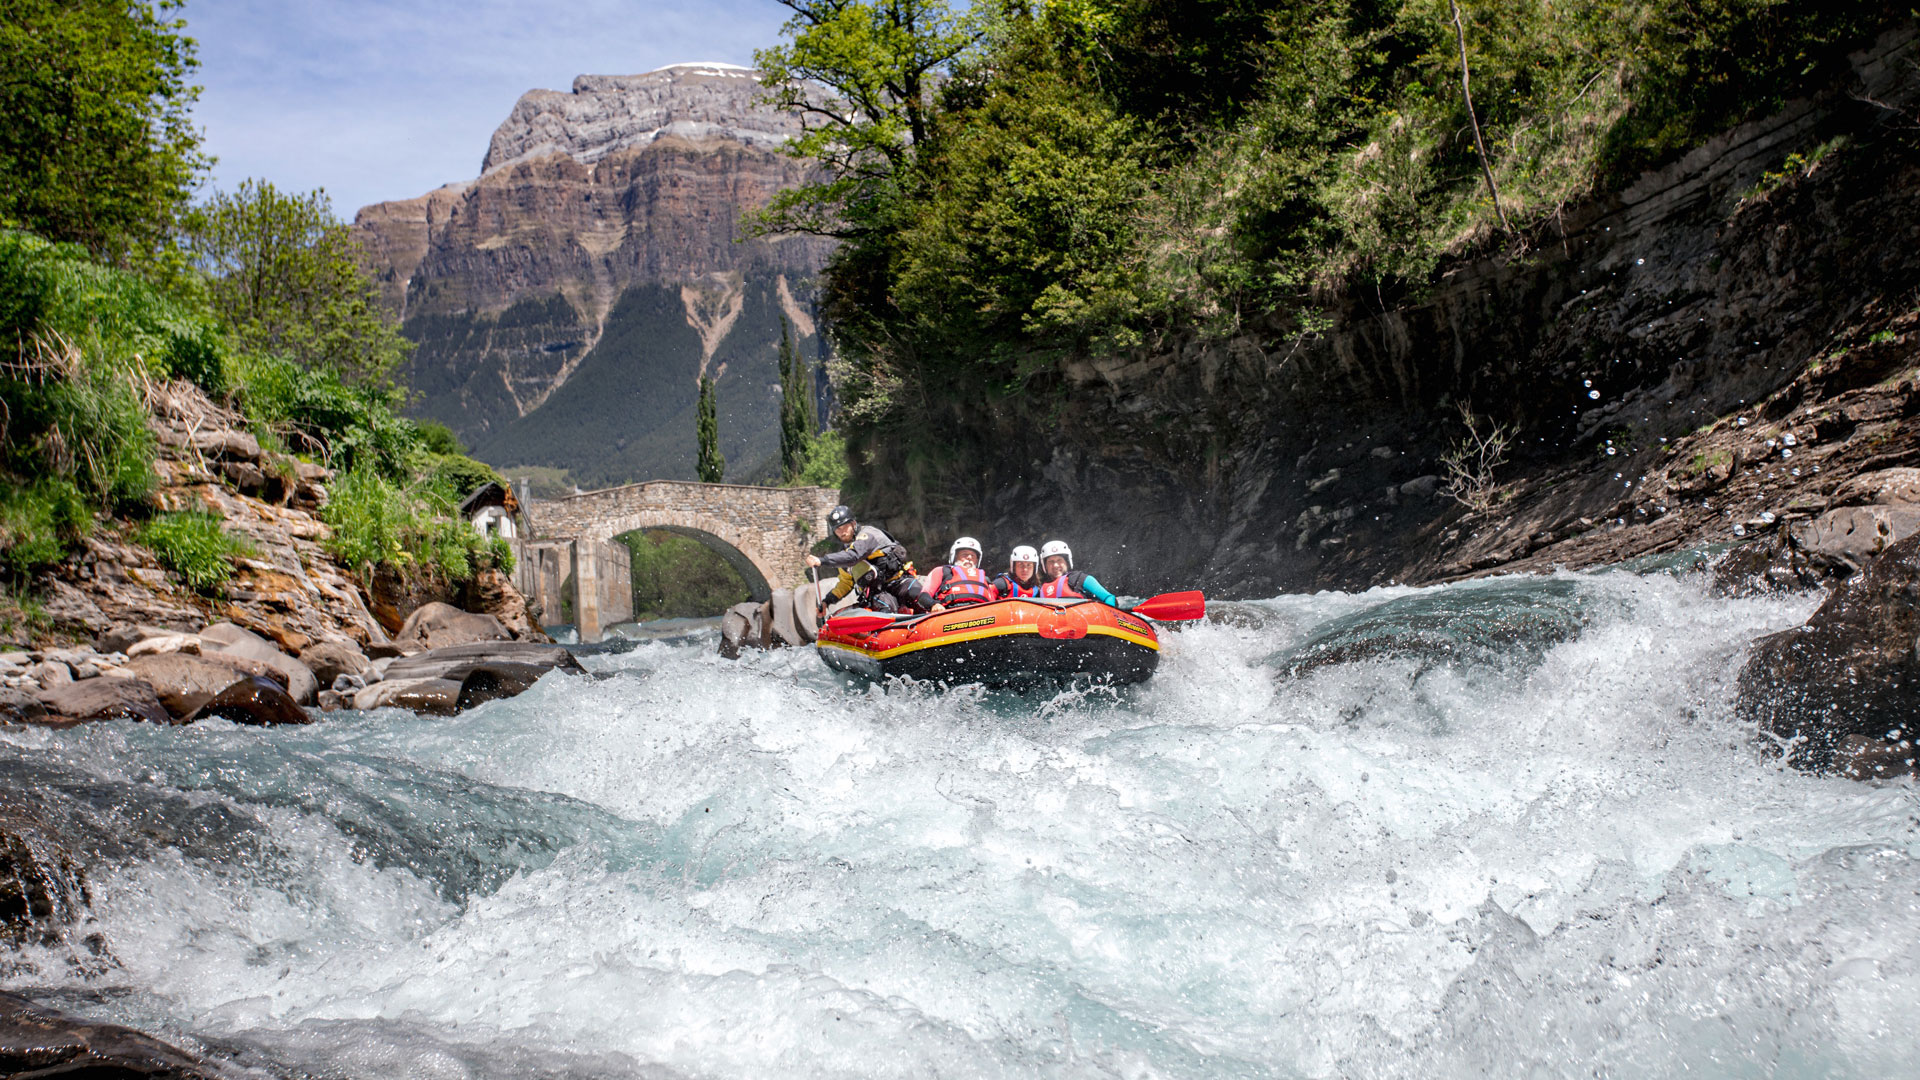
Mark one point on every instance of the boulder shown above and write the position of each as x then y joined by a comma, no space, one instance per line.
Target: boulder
227,443
439,697
230,639
453,662
491,682
164,643
806,612
438,625
1855,534
253,700
50,673
39,1041
491,592
740,626
106,699
184,682
120,637
1886,486
780,620
20,707
329,660
1851,670
334,701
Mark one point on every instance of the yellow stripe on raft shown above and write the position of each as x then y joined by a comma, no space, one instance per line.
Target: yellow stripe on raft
976,635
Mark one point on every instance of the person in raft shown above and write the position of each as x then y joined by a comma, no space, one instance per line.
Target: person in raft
876,564
961,581
1022,577
1063,581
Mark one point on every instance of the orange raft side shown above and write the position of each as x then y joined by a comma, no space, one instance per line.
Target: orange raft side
1007,641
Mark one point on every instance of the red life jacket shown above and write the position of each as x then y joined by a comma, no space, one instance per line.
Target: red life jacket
1007,587
957,585
1064,587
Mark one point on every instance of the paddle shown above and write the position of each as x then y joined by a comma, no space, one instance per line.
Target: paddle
1173,607
856,624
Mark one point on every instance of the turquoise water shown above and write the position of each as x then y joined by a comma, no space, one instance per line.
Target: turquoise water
1506,828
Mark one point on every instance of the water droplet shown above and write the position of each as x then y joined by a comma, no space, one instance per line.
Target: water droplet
1594,394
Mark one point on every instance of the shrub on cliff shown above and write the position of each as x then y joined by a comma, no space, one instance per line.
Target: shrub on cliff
193,545
409,525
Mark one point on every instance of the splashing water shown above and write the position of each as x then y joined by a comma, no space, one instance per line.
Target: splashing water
1511,829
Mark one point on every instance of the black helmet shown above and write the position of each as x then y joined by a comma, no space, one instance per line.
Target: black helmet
838,516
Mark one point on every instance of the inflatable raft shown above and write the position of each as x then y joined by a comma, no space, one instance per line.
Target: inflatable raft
1000,643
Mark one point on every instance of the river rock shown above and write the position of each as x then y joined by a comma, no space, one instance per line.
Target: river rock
1886,486
165,643
120,637
454,661
491,682
231,639
185,682
50,673
491,592
253,700
439,697
20,707
1851,670
334,701
106,699
780,625
1855,534
329,660
40,1041
438,626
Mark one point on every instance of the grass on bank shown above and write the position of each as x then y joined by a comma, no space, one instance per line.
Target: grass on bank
193,545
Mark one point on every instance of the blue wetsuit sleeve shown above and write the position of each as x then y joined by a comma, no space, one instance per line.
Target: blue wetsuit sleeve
1092,587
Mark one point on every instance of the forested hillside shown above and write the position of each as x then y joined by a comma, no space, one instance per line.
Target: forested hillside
1040,202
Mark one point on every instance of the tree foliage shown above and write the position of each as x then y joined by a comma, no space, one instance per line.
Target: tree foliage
797,421
709,465
283,274
97,147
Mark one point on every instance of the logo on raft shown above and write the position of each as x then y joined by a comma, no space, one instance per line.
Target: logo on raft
969,624
1132,624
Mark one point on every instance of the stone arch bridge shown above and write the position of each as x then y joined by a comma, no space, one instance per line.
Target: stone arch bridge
762,532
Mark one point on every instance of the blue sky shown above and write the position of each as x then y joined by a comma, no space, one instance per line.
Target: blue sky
388,100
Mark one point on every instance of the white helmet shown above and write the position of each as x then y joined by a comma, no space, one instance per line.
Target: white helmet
1056,547
1023,554
968,543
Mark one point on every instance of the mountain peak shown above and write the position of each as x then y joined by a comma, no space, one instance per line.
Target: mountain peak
699,100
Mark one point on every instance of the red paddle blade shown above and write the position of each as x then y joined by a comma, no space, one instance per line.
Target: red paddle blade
1173,607
857,624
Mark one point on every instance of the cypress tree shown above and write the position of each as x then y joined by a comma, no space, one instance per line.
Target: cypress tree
796,406
710,465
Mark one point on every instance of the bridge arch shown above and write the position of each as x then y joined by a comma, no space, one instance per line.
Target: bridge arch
714,536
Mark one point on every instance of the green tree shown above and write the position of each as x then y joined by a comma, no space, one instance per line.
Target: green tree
711,467
861,75
97,146
796,406
284,276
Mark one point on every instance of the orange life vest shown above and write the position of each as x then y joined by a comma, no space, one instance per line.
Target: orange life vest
958,585
1063,587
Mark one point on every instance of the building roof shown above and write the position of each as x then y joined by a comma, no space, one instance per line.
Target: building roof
489,494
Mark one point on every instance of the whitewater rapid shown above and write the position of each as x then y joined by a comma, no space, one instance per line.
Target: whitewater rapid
1534,842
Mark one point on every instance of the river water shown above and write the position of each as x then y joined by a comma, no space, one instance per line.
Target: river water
1507,828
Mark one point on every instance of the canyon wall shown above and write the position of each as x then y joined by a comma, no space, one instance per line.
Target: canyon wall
1650,354
564,303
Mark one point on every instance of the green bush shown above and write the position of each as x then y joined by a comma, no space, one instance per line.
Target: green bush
192,544
38,521
825,464
500,550
410,527
314,412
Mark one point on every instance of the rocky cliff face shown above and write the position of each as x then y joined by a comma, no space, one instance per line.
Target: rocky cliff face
603,243
1706,356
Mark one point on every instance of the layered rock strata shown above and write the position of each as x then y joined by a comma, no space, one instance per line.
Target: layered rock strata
603,246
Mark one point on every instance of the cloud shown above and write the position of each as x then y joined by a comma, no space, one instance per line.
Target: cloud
387,100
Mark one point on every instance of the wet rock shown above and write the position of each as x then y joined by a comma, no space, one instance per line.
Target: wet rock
1885,486
329,660
449,662
1855,534
43,1042
1479,623
183,682
106,699
230,639
1860,758
743,625
1767,565
20,707
334,701
254,700
344,683
1851,670
42,887
438,626
491,682
438,697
